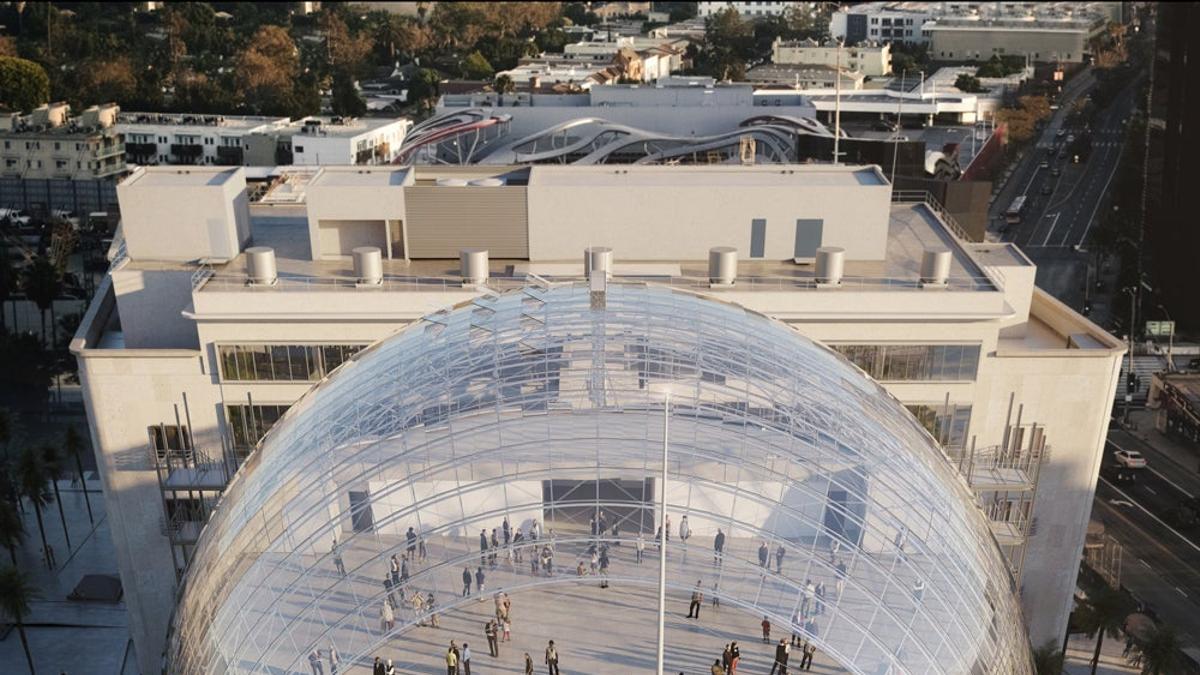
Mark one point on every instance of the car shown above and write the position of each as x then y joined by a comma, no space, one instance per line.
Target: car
1055,172
1129,459
1119,475
1071,138
884,125
1044,165
15,217
1061,133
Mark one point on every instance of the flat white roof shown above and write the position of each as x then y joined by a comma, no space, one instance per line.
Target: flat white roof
176,176
690,176
359,177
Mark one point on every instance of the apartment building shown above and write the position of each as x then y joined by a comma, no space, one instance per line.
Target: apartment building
871,59
52,160
220,315
752,10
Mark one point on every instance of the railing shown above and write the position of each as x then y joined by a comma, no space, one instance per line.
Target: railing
120,255
210,281
202,274
924,197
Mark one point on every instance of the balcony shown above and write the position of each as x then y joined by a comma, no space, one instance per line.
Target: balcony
141,150
187,150
110,150
231,155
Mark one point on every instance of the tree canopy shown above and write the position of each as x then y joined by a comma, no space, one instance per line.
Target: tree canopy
23,84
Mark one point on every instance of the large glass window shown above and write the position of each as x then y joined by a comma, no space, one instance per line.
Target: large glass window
946,423
248,424
899,363
281,363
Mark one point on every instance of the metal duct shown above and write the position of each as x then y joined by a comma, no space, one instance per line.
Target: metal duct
260,265
935,266
368,265
722,265
473,263
831,263
599,259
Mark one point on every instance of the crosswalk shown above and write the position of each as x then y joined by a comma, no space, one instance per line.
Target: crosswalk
1144,366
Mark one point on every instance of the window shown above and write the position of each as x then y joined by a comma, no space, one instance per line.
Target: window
946,423
281,363
166,439
758,237
248,424
874,21
299,148
900,363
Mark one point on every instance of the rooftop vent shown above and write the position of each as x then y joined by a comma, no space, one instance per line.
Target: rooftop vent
368,266
597,259
722,265
474,265
451,182
935,268
487,182
831,262
260,266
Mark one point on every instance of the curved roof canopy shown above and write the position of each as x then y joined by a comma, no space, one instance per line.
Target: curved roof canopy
547,405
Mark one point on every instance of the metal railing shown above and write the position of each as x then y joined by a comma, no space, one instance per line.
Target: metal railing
210,281
924,197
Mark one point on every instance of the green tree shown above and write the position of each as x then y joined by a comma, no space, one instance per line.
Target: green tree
1047,659
993,67
503,84
16,592
476,67
74,446
52,461
346,99
423,90
31,478
12,529
968,83
580,15
1104,614
266,70
42,285
23,84
1161,653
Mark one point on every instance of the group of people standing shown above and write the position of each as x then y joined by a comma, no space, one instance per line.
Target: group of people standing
458,660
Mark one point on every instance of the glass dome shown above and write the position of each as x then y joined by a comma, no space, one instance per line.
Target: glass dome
541,411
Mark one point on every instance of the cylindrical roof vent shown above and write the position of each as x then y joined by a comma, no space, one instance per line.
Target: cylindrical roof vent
451,182
260,266
368,265
597,259
935,267
722,265
831,262
488,182
473,263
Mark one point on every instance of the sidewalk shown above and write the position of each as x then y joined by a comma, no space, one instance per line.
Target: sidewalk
1079,656
1184,460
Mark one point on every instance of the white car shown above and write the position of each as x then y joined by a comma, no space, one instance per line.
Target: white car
1130,459
15,216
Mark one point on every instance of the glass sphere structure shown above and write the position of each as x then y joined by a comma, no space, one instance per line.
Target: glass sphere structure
811,496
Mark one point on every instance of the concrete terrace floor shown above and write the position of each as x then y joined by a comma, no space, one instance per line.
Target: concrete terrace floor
67,636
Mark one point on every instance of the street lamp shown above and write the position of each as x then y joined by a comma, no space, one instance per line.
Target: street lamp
1170,340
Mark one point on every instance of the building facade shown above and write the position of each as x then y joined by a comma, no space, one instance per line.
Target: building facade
186,365
752,10
872,60
50,160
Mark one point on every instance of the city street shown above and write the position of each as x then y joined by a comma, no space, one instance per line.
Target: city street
1160,565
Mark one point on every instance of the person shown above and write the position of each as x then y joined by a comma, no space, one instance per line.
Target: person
430,603
820,604
797,623
604,567
716,599
377,667
697,597
489,631
579,570
507,629
389,669
337,557
595,561
395,571
314,662
451,661
779,553
411,538
387,586
528,664
533,529
418,604
479,577
466,577
781,657
735,658
602,524
766,626
494,549
483,547
726,658
617,533
667,528
640,548
387,616
685,530
717,668
507,604
658,538
507,531
422,553
403,572
552,659
547,561
592,526
840,582
834,546
533,561
718,546
763,551
806,660
516,541
466,659
335,661
806,601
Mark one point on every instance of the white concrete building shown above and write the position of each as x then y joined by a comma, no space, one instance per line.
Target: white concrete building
871,59
219,316
751,10
337,140
186,138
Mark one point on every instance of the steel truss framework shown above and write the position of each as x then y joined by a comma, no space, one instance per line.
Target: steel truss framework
544,406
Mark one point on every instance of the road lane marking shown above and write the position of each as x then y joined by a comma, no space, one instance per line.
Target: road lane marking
1151,491
1181,591
1144,563
1051,231
1158,520
1036,169
1166,480
1100,198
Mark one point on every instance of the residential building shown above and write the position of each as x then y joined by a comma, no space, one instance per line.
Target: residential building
883,22
806,76
871,59
188,138
613,10
661,57
197,342
752,10
50,160
313,141
1058,40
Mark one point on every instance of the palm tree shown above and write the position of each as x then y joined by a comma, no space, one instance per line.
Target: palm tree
504,84
16,592
73,444
1160,653
31,476
1104,612
42,285
12,529
53,461
1047,659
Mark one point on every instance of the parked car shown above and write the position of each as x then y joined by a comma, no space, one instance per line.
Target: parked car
1055,172
1130,459
14,217
1044,165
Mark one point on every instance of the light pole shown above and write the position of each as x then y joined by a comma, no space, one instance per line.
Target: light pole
1133,292
1170,340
